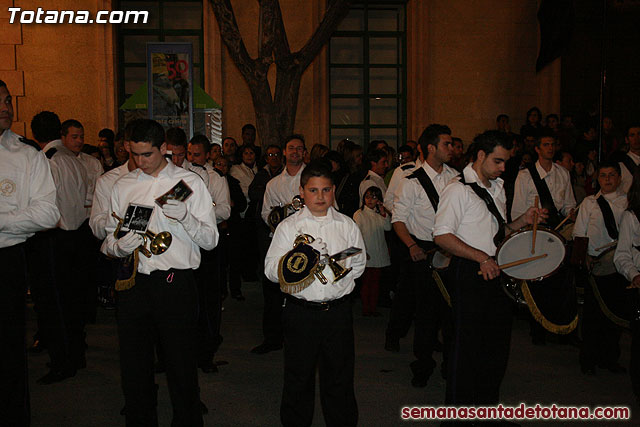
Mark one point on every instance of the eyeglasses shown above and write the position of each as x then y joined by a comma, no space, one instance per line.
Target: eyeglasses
273,154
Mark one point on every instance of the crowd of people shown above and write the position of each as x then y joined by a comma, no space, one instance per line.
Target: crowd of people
164,228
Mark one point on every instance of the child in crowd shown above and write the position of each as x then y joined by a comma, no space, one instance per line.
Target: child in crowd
317,318
373,220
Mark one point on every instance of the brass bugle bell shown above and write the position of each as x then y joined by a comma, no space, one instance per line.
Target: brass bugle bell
278,213
338,271
158,242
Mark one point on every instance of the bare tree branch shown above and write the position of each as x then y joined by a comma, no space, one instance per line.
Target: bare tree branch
336,11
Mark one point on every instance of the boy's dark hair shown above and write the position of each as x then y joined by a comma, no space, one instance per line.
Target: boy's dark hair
559,155
273,146
552,116
291,138
201,140
229,137
147,130
544,133
129,127
489,140
3,84
431,136
373,190
108,135
46,126
631,125
610,164
245,147
405,149
374,156
248,126
176,136
316,168
500,116
71,123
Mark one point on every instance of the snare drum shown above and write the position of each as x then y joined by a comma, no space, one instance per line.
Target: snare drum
518,245
603,265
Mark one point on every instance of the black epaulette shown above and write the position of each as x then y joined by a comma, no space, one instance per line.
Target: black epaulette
51,152
30,142
406,167
218,172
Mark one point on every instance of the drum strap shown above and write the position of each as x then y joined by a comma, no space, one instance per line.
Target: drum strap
609,219
427,185
629,164
545,196
491,205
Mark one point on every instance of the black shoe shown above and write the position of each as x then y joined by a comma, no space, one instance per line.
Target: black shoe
266,348
56,377
588,370
614,367
208,367
392,345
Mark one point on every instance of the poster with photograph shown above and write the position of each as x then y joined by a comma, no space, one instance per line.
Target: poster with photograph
181,192
170,76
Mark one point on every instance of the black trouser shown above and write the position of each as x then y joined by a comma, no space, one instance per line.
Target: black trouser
556,299
634,368
161,307
209,305
235,256
482,316
600,336
14,389
323,340
91,271
273,298
403,305
62,296
428,312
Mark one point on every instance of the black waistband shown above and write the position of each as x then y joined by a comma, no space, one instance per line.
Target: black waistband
163,273
11,249
424,244
318,306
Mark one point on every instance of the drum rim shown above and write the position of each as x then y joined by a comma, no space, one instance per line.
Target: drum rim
529,228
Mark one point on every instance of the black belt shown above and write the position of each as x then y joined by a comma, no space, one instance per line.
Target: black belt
318,306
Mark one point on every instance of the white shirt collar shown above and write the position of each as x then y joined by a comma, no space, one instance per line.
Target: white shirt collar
634,157
470,175
286,172
543,172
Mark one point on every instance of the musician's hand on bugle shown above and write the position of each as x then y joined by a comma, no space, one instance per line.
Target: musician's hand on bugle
635,283
489,268
127,244
319,246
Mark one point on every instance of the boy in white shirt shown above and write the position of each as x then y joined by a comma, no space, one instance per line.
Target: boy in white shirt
318,319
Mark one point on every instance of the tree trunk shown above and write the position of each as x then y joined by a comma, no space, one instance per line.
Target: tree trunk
275,116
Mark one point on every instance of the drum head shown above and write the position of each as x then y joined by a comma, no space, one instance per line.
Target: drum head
517,246
440,260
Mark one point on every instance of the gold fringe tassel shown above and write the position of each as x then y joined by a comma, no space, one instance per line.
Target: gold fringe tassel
603,306
294,288
535,312
126,284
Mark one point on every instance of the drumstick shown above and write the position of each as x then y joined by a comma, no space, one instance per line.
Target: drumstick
516,263
607,246
535,227
567,217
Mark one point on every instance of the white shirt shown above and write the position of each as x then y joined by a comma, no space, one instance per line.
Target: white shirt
27,191
627,176
627,258
370,180
396,179
372,226
198,230
280,191
590,222
462,213
338,231
245,175
101,208
218,189
71,180
559,183
94,170
413,207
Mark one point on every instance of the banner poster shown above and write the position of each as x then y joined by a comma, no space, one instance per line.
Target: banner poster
170,77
